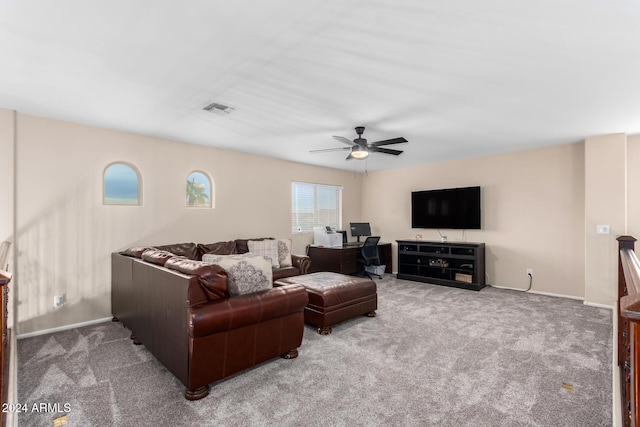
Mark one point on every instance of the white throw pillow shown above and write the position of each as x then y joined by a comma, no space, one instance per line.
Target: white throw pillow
265,248
284,252
246,273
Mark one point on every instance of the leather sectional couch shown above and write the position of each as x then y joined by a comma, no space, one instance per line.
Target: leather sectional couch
300,263
180,309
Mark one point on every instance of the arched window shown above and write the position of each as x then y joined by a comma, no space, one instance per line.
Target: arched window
199,192
122,185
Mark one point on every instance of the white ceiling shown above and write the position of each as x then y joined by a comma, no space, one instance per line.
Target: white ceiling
457,78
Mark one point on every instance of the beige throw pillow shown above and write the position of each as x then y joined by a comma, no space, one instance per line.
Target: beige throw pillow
265,248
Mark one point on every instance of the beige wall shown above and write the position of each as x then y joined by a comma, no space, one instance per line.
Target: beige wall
605,204
65,233
633,186
534,209
6,175
532,213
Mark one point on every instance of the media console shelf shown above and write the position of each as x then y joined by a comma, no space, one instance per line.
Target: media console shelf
460,265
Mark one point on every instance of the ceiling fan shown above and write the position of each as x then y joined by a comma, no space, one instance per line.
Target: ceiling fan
360,148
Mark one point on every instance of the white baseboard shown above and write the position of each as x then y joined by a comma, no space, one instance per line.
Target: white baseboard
549,294
63,328
595,304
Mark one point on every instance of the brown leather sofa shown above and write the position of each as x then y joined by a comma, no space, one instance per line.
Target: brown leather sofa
181,311
195,251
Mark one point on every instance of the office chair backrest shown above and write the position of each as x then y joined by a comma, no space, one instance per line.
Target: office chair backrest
369,249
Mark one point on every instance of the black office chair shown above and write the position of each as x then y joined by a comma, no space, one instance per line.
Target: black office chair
368,255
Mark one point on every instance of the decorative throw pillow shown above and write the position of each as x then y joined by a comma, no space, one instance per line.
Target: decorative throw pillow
265,248
246,273
284,253
241,244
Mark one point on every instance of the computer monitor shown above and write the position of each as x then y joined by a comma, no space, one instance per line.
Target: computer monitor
360,229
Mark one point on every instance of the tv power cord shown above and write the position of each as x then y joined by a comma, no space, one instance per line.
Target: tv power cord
530,281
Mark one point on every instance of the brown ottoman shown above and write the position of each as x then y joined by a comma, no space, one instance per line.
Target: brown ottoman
335,297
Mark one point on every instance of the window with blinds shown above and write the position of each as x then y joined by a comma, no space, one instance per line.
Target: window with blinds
314,205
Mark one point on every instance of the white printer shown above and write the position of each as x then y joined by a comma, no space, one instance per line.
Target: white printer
326,236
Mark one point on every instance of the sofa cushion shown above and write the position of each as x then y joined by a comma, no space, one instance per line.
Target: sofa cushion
218,248
212,278
135,251
284,253
189,250
246,273
266,248
157,256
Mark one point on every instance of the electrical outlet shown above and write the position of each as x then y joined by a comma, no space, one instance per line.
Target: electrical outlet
59,300
530,272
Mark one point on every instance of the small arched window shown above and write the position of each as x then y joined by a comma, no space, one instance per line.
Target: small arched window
199,191
122,185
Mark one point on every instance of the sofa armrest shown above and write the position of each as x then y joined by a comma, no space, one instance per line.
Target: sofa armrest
235,312
301,262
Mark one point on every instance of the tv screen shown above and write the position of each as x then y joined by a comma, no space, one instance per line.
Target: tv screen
457,208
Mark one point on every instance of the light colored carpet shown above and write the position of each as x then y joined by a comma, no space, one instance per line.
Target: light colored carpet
434,356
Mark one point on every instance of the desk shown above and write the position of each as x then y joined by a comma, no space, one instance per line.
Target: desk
343,260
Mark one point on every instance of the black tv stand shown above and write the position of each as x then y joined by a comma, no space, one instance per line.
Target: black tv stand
457,264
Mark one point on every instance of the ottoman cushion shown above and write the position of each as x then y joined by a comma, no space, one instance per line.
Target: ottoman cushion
335,297
327,289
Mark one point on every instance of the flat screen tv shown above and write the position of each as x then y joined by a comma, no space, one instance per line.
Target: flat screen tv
457,208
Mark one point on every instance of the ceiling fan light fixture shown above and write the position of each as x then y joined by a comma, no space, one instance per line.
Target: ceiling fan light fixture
359,153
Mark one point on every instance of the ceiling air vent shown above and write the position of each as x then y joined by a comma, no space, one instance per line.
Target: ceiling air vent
216,107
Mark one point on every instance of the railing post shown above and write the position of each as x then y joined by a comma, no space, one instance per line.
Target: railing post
626,242
627,339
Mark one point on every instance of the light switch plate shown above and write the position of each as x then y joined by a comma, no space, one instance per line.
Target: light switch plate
602,229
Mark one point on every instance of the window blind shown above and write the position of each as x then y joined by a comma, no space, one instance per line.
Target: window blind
314,205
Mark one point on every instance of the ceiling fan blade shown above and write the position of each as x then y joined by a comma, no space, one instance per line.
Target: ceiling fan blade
398,140
344,140
324,150
385,150
350,157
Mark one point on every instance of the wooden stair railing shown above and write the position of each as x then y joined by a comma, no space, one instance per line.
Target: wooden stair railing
629,330
5,278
